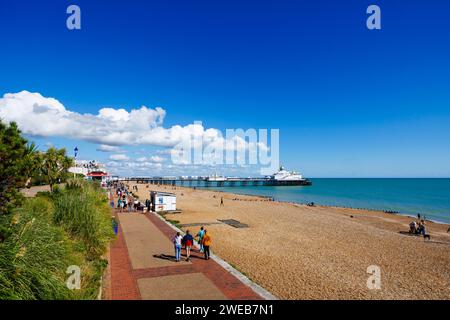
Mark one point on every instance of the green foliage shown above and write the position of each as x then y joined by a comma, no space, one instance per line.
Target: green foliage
18,162
35,255
55,164
46,235
41,237
83,211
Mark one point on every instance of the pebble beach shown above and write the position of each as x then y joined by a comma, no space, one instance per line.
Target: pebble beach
301,252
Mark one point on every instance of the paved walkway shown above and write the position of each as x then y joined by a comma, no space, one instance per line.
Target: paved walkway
142,266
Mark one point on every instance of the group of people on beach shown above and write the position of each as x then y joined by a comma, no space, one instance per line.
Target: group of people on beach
203,238
418,227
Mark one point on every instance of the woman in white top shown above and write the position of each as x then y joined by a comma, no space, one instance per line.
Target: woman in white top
177,243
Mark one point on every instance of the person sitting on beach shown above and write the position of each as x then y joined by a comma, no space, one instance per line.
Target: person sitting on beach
200,238
206,244
188,240
413,227
422,229
177,244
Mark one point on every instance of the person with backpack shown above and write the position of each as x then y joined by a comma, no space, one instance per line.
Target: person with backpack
188,241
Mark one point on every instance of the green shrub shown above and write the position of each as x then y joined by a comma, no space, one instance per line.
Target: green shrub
71,226
82,210
35,254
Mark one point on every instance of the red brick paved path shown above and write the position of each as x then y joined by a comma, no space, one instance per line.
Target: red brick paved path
124,277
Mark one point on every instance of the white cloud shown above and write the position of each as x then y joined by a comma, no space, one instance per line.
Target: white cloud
119,157
107,148
154,159
164,151
42,116
157,159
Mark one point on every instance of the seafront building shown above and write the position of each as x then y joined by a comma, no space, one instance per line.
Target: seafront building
91,170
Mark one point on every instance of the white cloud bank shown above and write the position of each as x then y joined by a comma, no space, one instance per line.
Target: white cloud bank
42,116
111,128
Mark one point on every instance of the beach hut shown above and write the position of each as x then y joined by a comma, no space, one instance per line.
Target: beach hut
163,201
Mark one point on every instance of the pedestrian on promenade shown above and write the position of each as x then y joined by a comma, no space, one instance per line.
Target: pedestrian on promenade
120,204
200,238
206,244
124,202
188,241
177,244
130,204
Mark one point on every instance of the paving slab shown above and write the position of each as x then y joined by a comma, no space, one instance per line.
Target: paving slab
145,241
192,286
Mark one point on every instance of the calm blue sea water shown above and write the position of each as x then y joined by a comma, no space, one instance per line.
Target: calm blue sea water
429,197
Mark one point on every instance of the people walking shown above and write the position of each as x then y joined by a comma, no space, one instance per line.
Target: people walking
206,244
130,204
188,241
200,238
177,244
124,203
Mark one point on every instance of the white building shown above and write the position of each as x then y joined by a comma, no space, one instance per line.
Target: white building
163,201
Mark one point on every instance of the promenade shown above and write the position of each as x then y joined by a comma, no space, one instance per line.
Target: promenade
142,266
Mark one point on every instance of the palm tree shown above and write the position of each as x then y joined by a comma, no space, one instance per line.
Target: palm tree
55,165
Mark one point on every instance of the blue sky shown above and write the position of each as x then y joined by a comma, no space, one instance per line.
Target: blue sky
349,102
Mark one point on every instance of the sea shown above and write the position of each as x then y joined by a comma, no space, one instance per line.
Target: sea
429,197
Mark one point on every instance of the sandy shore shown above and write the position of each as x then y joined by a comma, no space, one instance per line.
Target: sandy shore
300,252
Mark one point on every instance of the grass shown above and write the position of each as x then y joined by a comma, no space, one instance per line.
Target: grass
48,234
83,211
176,223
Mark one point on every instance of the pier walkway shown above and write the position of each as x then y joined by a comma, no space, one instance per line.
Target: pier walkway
142,266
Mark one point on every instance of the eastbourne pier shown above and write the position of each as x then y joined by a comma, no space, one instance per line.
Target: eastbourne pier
208,182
